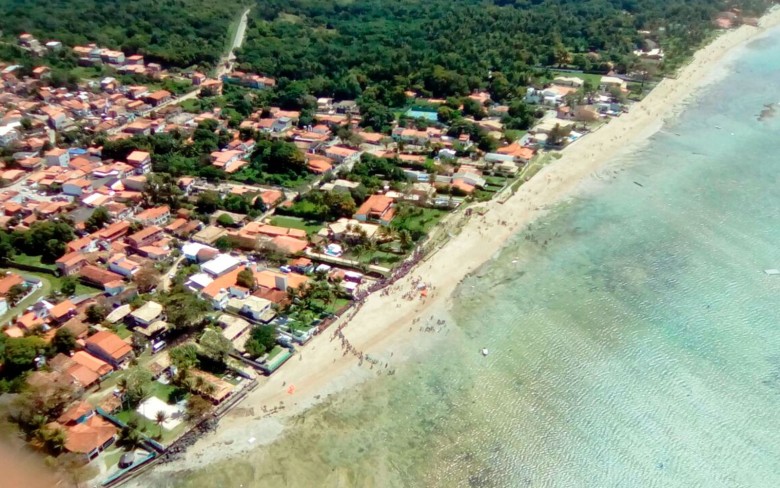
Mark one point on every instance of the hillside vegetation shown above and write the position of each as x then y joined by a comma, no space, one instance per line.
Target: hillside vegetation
173,32
450,47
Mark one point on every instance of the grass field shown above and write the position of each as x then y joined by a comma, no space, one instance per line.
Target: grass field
310,227
589,77
32,261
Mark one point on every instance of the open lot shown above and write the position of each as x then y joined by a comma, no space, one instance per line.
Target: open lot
174,413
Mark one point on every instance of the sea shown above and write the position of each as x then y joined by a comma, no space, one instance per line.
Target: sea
633,335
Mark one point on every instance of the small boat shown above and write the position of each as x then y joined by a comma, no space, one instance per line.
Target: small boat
772,271
484,352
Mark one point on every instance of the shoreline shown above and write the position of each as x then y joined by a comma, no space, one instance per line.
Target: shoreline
321,369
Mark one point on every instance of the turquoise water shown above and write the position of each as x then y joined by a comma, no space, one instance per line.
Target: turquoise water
634,342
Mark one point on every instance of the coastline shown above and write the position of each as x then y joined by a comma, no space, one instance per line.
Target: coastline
320,369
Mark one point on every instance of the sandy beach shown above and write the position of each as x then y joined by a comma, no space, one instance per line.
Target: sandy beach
397,325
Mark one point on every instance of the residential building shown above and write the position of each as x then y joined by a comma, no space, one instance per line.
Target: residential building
86,433
255,307
154,216
58,157
110,348
145,237
141,161
148,313
62,311
377,208
220,265
121,265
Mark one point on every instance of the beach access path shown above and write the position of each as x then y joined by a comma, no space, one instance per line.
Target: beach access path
387,327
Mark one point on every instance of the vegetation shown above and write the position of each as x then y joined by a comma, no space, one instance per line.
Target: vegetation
376,50
321,206
214,345
246,279
64,341
175,32
262,339
46,239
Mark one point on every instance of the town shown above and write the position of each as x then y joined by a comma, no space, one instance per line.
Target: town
166,243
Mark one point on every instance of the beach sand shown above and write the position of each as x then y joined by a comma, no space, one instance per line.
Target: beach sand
391,328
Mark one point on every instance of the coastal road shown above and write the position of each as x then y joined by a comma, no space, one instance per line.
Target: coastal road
226,63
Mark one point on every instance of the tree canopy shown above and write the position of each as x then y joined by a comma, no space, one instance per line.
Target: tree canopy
378,49
174,32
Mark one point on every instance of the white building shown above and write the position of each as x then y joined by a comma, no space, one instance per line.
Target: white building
220,265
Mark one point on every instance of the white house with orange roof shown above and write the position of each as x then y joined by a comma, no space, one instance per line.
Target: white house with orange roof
377,208
154,216
141,161
343,155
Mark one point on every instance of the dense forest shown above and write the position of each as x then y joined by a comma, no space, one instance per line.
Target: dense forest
174,32
450,47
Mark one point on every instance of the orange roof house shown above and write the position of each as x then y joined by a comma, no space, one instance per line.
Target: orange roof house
8,281
90,362
279,281
84,244
109,347
154,215
319,164
275,231
114,231
517,151
377,208
290,245
77,412
89,437
145,236
63,311
70,263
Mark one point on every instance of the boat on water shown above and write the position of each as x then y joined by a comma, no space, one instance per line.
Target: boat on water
484,352
772,271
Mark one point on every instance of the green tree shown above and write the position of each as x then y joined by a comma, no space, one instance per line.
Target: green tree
183,309
146,279
214,345
262,339
226,220
64,341
208,202
184,357
15,293
96,313
135,386
97,220
20,353
224,243
159,418
405,239
68,286
52,250
246,278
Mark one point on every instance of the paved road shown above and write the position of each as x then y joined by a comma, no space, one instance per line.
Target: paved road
226,63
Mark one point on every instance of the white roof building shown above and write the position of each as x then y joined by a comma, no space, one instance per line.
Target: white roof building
191,250
198,281
224,263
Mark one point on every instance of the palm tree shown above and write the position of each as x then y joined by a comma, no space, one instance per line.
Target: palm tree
56,440
159,418
122,384
405,239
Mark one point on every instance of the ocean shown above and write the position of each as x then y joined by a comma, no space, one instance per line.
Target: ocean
633,335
